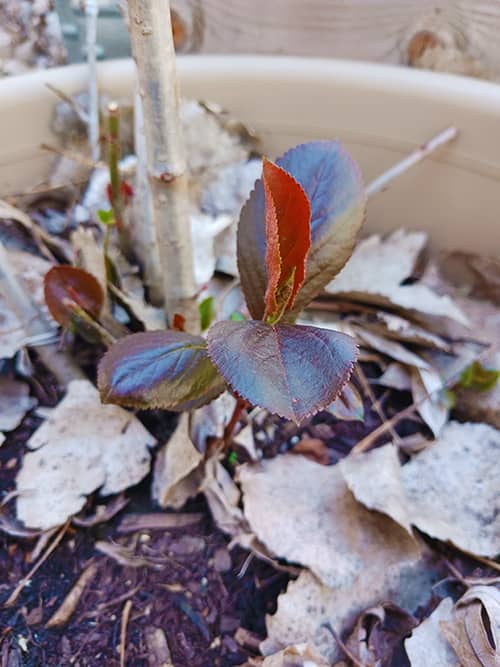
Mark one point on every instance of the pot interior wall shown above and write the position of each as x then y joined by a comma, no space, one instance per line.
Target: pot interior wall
380,113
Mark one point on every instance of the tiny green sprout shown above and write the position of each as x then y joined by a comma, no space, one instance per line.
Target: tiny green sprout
237,316
106,217
478,378
206,309
232,458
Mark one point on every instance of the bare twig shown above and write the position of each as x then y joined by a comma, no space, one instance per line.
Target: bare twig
382,182
157,521
70,602
123,632
72,155
20,586
342,646
80,111
34,323
153,50
368,441
91,12
375,404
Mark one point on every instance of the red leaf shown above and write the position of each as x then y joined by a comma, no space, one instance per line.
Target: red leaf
179,322
63,283
288,236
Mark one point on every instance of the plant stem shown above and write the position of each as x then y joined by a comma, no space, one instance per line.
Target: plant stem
153,50
117,200
91,13
241,405
105,336
113,140
382,182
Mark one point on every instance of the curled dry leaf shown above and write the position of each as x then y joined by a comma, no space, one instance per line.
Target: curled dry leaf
15,402
399,328
474,629
378,632
308,605
299,655
377,269
390,348
432,405
223,498
396,376
83,446
30,270
348,406
292,491
433,490
427,645
176,475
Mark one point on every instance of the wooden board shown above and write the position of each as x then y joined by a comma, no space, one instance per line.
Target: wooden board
461,36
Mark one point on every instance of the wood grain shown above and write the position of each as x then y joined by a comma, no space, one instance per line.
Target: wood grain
466,32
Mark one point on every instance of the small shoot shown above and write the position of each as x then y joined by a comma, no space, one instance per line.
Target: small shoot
75,300
478,378
207,311
296,231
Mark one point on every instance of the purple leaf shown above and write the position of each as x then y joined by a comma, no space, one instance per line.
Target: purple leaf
159,369
333,185
294,371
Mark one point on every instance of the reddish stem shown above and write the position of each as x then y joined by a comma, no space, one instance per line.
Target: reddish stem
241,405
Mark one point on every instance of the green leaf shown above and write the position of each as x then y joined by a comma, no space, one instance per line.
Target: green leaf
478,378
106,217
206,309
237,316
159,369
294,371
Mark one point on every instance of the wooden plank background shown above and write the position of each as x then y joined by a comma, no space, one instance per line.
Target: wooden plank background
457,36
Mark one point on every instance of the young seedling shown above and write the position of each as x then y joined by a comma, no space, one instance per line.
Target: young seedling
75,300
296,232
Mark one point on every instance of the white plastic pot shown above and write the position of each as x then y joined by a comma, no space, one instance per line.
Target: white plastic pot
379,112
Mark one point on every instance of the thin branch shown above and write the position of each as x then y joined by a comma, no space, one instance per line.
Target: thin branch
91,13
153,50
369,440
17,591
123,632
144,231
382,182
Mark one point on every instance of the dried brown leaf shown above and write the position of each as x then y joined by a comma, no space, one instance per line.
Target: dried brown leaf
83,446
15,402
377,269
427,645
475,640
448,490
176,474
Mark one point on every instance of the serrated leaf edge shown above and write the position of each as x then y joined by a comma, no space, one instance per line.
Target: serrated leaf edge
321,407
